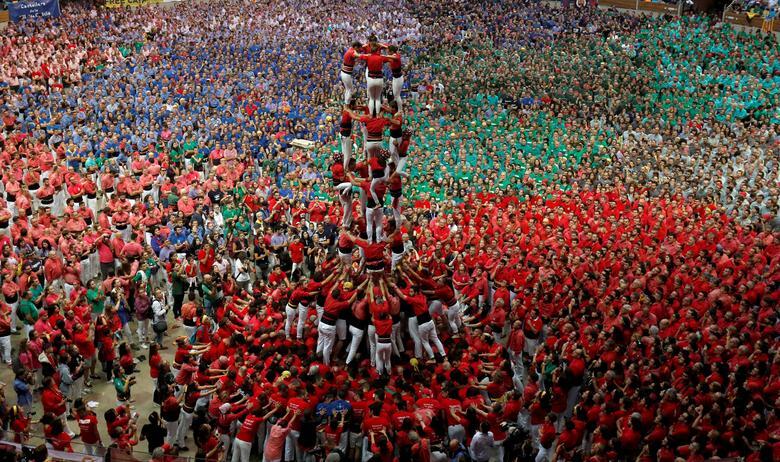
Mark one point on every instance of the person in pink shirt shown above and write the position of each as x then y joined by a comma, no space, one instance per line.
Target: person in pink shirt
53,269
274,443
105,255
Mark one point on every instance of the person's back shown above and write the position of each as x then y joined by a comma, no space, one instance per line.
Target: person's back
154,433
482,443
274,444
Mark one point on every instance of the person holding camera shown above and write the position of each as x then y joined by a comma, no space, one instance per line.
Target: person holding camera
122,384
160,311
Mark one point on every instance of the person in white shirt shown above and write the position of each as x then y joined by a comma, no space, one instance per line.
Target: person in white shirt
482,443
160,310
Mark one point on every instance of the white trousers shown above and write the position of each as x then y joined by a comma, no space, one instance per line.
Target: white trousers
326,338
398,83
454,317
185,422
374,89
241,450
398,343
374,219
349,85
292,451
429,335
372,343
303,313
357,337
5,346
173,429
384,351
414,332
291,314
346,149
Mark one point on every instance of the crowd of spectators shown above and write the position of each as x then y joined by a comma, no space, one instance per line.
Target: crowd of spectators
583,263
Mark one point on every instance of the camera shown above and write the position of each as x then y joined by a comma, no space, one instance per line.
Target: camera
36,454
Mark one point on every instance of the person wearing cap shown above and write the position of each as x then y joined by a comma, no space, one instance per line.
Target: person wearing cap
226,420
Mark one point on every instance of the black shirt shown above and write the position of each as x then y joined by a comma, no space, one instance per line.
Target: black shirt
155,435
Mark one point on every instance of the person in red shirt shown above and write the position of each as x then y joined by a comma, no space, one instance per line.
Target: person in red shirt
60,439
382,324
375,81
88,427
245,436
382,447
20,424
297,251
375,127
326,329
332,432
277,276
208,443
298,306
396,67
547,436
421,322
53,401
347,67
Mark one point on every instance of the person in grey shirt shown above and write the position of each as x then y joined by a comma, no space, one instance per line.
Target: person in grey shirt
482,443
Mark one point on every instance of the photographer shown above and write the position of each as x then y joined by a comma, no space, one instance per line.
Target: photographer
160,311
122,384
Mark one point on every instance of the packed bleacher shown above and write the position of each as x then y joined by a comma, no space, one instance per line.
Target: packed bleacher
415,231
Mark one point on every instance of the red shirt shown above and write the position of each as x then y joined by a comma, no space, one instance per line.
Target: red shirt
419,303
274,278
374,62
53,401
375,424
248,428
297,404
61,442
296,251
350,58
374,125
88,428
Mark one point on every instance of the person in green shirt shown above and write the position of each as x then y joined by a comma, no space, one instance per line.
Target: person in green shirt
122,383
96,298
27,312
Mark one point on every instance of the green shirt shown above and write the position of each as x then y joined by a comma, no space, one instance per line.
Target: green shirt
28,309
178,284
96,300
119,385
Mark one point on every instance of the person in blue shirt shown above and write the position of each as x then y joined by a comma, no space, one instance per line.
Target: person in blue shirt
178,238
23,389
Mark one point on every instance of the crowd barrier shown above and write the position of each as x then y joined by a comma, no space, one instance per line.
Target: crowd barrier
765,21
660,7
130,3
80,454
